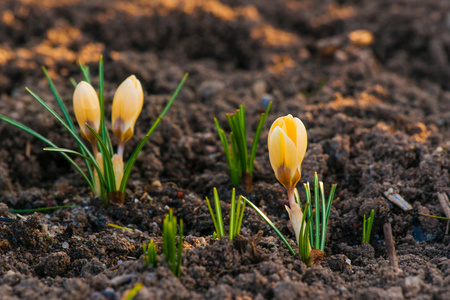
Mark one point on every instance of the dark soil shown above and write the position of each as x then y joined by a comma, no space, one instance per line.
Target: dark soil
378,118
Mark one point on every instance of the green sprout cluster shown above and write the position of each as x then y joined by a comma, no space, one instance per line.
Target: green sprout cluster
367,227
318,230
150,255
236,216
239,161
172,252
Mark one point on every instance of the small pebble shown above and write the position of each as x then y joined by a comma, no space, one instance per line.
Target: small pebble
65,245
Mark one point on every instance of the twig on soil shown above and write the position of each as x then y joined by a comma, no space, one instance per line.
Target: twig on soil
445,204
389,240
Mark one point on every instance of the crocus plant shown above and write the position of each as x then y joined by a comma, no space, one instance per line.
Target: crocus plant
106,174
287,143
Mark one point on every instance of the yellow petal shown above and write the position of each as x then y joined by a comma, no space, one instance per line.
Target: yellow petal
301,142
87,109
117,162
283,158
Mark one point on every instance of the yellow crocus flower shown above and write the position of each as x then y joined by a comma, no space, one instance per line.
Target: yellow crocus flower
127,105
87,110
287,143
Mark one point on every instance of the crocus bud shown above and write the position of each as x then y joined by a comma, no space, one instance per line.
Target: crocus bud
117,162
127,106
287,143
87,110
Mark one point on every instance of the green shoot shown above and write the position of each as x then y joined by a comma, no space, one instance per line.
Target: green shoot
367,227
436,217
239,161
150,256
120,227
304,246
321,213
172,254
133,292
236,216
32,210
100,172
274,228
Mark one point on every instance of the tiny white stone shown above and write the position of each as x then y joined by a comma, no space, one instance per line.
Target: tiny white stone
348,261
65,245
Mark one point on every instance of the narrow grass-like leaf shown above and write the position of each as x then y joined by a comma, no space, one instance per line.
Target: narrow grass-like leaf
133,292
262,120
324,217
218,208
92,162
224,141
73,133
317,209
309,210
85,71
120,227
132,160
104,131
32,210
213,217
232,215
73,82
48,142
241,216
330,201
66,116
107,163
274,228
436,217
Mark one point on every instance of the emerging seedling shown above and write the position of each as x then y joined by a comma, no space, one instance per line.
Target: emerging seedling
106,175
239,161
318,230
367,227
150,256
236,215
173,254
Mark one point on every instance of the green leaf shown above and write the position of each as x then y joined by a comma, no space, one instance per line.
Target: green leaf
73,133
213,217
262,120
274,228
48,142
218,208
132,160
104,131
85,71
92,162
66,116
232,215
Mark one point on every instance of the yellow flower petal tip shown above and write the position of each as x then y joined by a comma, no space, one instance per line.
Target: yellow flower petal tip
127,105
87,109
287,142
